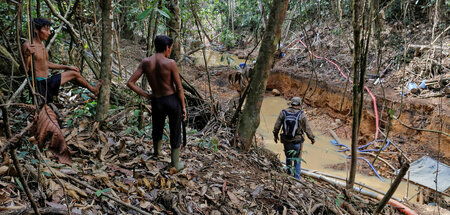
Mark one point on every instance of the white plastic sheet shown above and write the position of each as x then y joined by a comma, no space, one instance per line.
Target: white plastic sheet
423,172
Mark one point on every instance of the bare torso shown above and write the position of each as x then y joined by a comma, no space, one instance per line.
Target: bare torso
40,60
158,70
162,74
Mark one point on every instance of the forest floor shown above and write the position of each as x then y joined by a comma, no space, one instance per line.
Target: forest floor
219,179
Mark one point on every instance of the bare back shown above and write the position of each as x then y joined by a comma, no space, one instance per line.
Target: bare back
158,70
162,74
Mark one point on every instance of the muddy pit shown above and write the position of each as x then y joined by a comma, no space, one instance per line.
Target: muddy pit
323,108
324,99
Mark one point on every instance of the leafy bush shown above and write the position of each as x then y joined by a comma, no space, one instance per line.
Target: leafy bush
228,39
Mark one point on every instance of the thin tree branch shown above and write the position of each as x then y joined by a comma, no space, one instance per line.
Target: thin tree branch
54,12
420,129
16,138
24,182
57,178
392,189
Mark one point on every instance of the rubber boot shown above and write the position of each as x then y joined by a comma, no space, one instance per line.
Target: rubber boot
175,155
157,148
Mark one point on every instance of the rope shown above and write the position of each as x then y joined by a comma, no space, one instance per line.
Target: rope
30,39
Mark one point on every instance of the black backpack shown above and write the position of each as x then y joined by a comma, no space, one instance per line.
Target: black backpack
290,125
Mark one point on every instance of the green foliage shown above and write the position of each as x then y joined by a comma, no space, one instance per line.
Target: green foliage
228,39
229,59
100,192
22,154
163,11
339,200
209,143
19,183
88,110
297,159
132,125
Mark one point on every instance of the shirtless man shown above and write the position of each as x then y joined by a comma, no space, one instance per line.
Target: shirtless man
167,96
46,84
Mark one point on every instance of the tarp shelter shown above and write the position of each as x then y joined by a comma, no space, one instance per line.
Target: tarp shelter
423,172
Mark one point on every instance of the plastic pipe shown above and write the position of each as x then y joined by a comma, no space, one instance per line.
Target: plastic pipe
370,164
393,201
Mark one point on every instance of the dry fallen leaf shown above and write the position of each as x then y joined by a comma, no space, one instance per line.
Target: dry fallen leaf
123,187
147,183
204,189
233,198
73,194
144,204
141,191
3,169
163,182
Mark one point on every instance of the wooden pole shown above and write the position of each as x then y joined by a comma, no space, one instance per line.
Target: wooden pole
392,189
22,180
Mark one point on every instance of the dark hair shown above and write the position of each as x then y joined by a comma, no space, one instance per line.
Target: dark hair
161,42
41,22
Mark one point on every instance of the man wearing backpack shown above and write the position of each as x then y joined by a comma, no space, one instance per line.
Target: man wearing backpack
294,123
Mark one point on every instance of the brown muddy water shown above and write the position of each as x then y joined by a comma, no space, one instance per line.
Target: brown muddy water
215,58
322,153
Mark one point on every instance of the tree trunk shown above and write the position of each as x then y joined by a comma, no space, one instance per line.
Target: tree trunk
362,26
249,120
105,74
150,43
5,112
357,95
38,8
285,32
435,19
174,24
232,16
263,15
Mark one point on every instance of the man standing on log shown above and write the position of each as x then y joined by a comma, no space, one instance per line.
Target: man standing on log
47,85
167,97
294,123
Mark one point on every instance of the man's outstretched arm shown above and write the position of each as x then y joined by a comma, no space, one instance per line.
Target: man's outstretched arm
132,82
61,67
